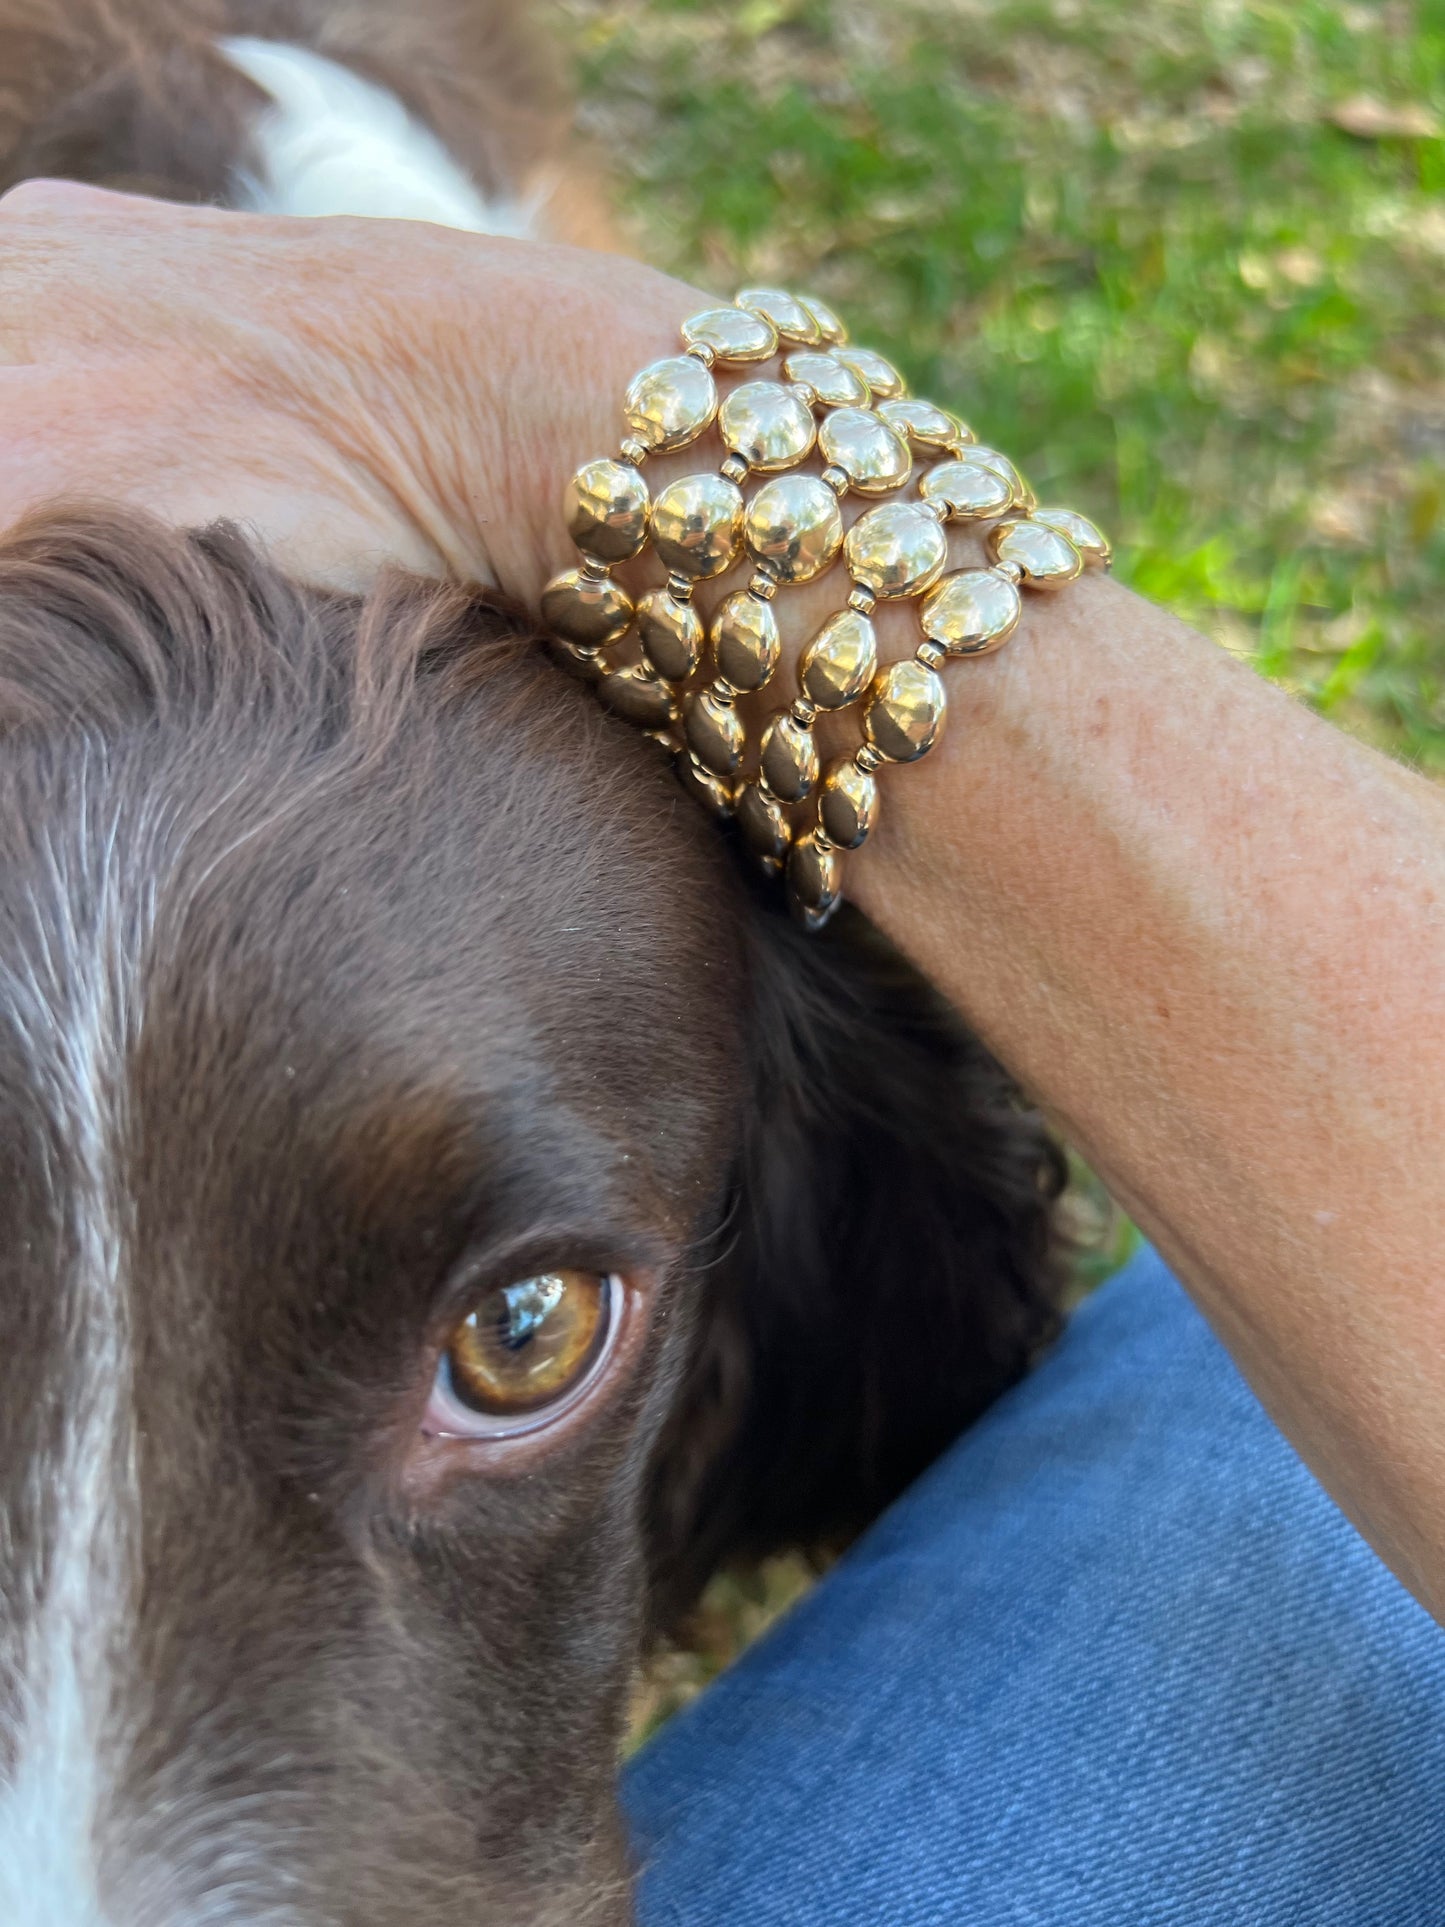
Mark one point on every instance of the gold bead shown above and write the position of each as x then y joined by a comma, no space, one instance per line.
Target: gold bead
829,326
847,803
695,524
932,654
968,490
794,526
896,550
587,665
789,758
815,878
639,696
1086,537
606,509
862,598
767,424
733,334
984,457
862,444
671,402
972,612
763,822
585,608
734,467
787,314
883,379
832,383
745,641
839,662
671,634
714,731
905,711
715,792
633,452
1045,558
921,422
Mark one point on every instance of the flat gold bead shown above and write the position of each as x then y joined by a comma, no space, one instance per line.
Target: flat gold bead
815,876
1045,558
671,402
714,792
606,509
671,634
905,711
833,384
968,490
921,422
787,314
767,424
714,731
636,694
838,664
794,525
587,665
1085,535
829,326
585,609
733,334
847,803
789,759
696,522
898,549
984,457
883,379
745,641
871,455
763,822
972,613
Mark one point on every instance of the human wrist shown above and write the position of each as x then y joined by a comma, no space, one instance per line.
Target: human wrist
481,414
853,489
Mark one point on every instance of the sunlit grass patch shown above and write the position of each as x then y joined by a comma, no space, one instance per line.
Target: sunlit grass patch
1184,259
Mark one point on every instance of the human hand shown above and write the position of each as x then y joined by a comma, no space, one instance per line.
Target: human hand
358,392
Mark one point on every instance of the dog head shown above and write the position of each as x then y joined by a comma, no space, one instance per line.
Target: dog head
445,1211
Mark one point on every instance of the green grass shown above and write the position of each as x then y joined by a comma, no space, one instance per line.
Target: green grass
1184,259
1135,245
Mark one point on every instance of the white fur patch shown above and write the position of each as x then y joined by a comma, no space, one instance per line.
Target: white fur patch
334,143
72,999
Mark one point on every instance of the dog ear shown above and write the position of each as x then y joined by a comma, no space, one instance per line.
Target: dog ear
889,1265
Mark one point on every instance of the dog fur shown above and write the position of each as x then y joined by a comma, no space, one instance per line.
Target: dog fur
351,958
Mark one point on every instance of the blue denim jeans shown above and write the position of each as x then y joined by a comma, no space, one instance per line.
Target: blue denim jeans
1115,1660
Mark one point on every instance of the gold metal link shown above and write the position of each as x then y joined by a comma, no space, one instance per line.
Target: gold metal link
852,406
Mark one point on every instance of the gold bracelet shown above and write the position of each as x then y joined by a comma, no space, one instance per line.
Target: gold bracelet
849,407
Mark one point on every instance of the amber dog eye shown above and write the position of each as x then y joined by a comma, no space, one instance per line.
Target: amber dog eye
526,1347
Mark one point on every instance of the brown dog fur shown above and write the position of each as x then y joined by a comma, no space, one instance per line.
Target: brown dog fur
352,958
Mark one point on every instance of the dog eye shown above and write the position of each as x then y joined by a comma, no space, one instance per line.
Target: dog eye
527,1348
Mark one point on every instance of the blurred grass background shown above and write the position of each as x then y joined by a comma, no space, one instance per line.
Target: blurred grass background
1184,259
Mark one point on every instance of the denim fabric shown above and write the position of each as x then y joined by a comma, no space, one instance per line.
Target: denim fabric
1115,1660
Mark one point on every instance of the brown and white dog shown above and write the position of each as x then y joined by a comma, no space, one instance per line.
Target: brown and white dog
444,1208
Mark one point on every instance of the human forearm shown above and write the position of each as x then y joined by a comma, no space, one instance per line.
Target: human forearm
1203,929
1206,931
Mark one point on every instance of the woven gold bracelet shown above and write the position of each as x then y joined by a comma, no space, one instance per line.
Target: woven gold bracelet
651,659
